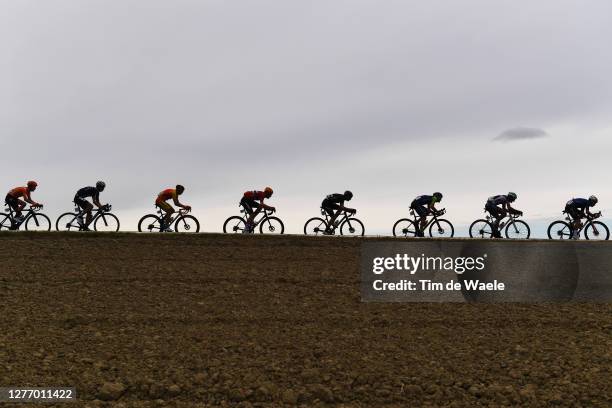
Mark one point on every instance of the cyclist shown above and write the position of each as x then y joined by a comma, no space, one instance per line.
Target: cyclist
85,206
161,202
336,202
249,202
13,199
499,206
424,205
579,208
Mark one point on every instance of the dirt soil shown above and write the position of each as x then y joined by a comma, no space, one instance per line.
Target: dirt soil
211,320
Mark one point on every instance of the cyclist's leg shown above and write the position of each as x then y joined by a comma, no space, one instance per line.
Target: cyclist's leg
19,207
12,202
422,212
169,210
86,208
496,213
329,208
248,204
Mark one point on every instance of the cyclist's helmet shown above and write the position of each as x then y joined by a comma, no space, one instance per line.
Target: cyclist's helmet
438,195
100,185
512,196
268,191
32,185
348,195
179,189
593,200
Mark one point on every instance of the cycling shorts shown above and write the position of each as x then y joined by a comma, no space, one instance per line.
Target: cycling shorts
165,206
249,204
82,203
329,207
421,210
574,212
494,210
13,202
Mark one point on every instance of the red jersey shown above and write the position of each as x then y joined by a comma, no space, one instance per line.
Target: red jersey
255,195
167,194
19,192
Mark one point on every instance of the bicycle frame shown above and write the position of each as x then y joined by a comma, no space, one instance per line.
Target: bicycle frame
265,213
162,215
339,220
98,213
417,219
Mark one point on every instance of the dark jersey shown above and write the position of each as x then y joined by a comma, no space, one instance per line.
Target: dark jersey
579,203
424,200
89,192
334,198
498,200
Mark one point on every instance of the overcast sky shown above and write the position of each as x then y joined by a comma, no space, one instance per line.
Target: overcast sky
390,99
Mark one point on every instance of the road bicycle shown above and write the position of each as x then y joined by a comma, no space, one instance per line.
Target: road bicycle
348,225
593,230
102,220
515,228
32,220
267,224
182,221
438,227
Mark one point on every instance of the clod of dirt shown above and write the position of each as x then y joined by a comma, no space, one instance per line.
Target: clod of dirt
110,391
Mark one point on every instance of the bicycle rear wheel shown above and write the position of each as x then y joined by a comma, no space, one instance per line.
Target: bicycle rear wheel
518,230
481,229
404,228
234,224
271,225
187,223
352,226
441,229
67,222
107,222
596,230
38,222
5,222
315,226
560,230
149,223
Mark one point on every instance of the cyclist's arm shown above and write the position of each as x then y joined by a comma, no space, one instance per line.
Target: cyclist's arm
432,207
96,201
266,207
29,200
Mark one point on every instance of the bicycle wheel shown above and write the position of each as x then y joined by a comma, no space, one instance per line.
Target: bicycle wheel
271,225
149,223
441,229
315,226
560,230
106,222
5,222
234,224
518,230
38,222
187,223
404,228
596,230
481,229
352,226
67,222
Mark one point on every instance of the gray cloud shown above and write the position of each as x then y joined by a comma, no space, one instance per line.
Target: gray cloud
520,133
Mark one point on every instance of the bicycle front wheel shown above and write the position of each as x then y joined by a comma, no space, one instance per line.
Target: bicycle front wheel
441,229
149,223
481,229
107,222
518,230
315,226
596,230
560,230
404,228
352,226
67,222
38,222
5,222
234,224
271,225
187,223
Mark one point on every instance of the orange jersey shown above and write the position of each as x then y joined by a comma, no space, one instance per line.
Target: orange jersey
255,195
18,192
167,194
